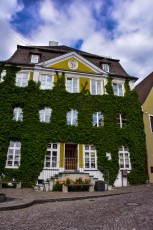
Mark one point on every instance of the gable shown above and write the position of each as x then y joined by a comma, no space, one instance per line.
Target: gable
72,62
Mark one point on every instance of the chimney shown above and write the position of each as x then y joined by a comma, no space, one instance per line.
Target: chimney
53,43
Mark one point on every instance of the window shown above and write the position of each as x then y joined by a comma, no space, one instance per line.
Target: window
121,120
13,155
22,79
118,89
72,85
96,87
124,158
90,157
3,74
72,117
17,114
34,58
51,158
46,81
151,123
105,67
45,115
98,119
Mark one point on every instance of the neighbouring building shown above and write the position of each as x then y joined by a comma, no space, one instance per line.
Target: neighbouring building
145,95
64,111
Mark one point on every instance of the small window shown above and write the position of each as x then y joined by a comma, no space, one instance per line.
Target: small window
22,79
90,157
72,85
45,115
105,67
98,119
124,158
46,81
17,114
13,155
3,74
51,158
34,58
96,87
121,120
72,117
118,89
151,123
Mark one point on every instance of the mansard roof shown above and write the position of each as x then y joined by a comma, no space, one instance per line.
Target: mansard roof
23,53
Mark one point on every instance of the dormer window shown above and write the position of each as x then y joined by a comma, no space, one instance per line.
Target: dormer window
34,58
105,67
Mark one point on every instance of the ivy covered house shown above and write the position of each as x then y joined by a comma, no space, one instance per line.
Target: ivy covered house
65,111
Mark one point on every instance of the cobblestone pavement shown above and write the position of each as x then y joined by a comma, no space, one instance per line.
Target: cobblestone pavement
133,211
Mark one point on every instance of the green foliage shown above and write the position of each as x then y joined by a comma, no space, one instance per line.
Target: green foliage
57,187
35,135
109,88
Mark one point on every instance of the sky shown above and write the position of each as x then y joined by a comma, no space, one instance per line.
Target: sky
120,29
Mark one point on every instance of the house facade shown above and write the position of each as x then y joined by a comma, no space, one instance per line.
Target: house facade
67,111
145,95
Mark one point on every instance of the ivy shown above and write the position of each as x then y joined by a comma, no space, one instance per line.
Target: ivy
35,135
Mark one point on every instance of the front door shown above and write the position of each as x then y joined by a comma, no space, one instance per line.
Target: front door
70,157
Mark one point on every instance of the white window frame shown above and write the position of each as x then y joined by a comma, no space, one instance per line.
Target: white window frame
3,74
72,121
34,58
124,151
105,67
17,114
46,86
121,121
90,151
43,113
72,82
98,121
16,146
50,159
20,76
151,127
118,91
96,87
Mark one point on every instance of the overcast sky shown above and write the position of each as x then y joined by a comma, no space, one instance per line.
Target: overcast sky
121,29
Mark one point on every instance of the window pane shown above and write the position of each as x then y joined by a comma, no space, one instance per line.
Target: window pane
54,153
75,85
93,87
75,117
151,123
94,119
68,116
86,147
48,164
69,84
12,144
99,90
10,151
115,89
54,146
120,89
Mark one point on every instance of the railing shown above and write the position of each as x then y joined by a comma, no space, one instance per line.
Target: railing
71,164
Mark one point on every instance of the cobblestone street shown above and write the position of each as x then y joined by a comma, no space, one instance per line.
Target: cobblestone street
132,211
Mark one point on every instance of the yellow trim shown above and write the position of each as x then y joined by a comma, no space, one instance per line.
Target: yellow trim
80,155
62,155
31,75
